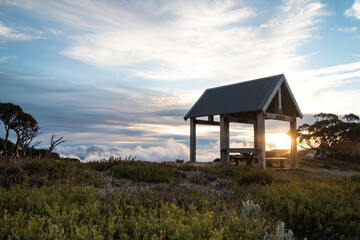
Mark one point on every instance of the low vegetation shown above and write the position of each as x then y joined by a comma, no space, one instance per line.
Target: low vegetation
128,199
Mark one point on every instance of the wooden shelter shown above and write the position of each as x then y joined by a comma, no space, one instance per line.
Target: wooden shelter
249,102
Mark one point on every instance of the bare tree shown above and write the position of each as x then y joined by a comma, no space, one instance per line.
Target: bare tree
53,143
30,149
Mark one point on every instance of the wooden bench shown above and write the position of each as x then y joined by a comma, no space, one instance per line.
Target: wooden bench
248,154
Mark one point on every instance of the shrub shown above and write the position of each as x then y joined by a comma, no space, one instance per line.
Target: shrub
63,211
138,171
315,208
282,233
44,199
146,172
200,177
243,175
249,208
39,172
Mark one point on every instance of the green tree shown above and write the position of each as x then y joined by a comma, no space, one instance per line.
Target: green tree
8,115
23,124
342,136
26,129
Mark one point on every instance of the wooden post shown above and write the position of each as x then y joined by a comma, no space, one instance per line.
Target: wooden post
294,161
224,140
280,103
255,143
211,118
255,135
260,139
277,101
193,140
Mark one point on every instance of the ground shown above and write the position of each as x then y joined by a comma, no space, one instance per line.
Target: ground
127,199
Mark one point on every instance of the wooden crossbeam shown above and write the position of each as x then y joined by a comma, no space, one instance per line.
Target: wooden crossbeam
241,120
278,117
204,122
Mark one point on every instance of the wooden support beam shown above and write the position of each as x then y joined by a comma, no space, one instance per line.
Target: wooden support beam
277,102
280,102
255,137
193,140
204,122
279,117
224,140
260,139
211,118
241,120
294,160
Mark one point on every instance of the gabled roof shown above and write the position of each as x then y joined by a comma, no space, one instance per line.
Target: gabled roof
249,96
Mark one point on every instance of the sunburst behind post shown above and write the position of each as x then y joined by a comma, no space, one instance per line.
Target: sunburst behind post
277,141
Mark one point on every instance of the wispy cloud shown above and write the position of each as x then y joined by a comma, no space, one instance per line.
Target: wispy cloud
178,49
87,114
327,87
354,11
175,40
6,58
187,46
13,34
347,29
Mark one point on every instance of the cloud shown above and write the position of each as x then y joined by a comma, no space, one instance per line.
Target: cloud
12,34
88,114
327,89
169,52
169,151
6,58
354,11
347,29
189,45
176,40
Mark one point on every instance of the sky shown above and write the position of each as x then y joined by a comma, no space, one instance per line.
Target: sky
115,78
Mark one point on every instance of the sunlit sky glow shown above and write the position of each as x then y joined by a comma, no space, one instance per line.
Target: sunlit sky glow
117,77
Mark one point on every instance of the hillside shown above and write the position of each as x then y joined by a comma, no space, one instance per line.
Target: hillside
127,199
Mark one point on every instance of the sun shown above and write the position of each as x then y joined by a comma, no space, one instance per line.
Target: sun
277,141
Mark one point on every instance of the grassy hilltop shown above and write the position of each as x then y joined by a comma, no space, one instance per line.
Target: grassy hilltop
126,199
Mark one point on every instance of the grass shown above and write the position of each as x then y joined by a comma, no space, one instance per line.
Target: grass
128,199
138,171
